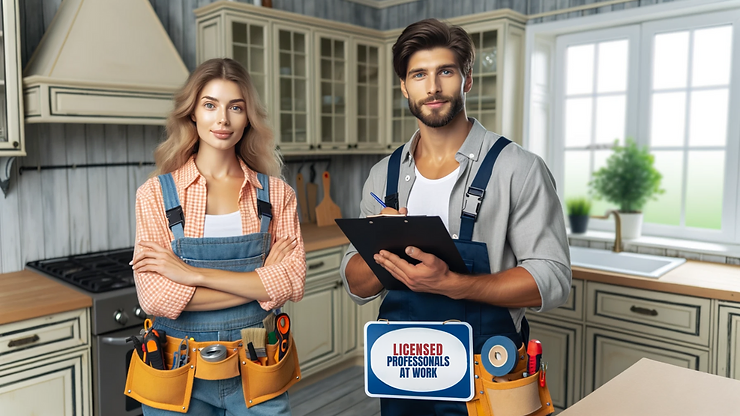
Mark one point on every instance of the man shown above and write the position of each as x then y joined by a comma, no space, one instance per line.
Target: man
497,200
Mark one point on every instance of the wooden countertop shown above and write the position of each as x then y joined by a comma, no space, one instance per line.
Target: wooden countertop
693,278
27,294
317,238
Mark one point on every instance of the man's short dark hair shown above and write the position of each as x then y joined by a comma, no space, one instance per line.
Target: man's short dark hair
428,34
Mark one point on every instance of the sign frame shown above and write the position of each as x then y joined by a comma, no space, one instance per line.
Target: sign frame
462,391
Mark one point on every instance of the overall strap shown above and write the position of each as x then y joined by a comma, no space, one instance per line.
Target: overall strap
391,185
172,207
264,208
476,191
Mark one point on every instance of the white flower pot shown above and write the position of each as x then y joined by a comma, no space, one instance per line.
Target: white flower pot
631,225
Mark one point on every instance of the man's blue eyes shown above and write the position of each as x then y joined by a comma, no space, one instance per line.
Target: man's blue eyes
444,72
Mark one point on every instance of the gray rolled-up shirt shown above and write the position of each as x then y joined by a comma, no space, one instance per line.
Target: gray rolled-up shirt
520,219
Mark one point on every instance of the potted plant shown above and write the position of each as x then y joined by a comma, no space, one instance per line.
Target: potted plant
628,180
578,211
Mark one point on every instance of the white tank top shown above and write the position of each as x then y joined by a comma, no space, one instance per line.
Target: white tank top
431,197
226,225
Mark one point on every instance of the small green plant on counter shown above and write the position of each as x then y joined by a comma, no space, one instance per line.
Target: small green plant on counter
629,178
578,206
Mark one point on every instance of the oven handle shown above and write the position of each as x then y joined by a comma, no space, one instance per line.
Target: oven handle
115,341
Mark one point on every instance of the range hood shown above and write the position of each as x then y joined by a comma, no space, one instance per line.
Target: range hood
103,61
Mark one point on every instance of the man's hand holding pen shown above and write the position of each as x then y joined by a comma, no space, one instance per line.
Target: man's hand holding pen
432,275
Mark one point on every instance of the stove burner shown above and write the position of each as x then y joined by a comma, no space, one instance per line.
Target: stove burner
95,272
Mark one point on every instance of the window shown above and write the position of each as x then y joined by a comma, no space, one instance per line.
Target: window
669,85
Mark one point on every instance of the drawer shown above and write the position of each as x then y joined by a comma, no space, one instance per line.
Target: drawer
573,307
38,337
676,317
322,261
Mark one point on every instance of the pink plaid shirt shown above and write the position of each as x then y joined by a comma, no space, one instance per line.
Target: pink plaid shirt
283,281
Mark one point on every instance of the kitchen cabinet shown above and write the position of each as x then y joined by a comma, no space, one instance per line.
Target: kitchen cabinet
324,322
603,329
49,358
609,352
728,340
562,346
627,324
12,142
327,325
329,87
331,84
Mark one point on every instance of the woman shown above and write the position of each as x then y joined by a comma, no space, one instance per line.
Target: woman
219,152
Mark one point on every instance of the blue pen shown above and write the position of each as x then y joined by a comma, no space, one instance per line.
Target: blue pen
380,201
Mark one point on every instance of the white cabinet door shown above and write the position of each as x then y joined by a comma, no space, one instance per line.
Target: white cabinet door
315,324
291,53
59,385
349,329
610,352
728,344
562,351
366,313
367,81
331,83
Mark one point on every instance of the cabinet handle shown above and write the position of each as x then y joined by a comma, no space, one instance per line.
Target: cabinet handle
315,265
643,311
23,341
16,144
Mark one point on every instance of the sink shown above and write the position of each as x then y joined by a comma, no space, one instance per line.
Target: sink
626,263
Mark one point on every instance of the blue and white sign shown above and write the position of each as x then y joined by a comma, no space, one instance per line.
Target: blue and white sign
419,360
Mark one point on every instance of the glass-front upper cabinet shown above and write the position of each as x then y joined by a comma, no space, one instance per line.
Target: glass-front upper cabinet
249,46
403,124
332,87
368,94
293,50
11,102
481,100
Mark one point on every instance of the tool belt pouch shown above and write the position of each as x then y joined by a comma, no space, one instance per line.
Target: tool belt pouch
264,382
510,395
161,389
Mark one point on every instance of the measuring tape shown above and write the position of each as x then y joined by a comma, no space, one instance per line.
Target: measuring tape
499,355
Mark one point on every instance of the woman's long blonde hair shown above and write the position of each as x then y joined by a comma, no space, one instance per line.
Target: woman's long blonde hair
256,147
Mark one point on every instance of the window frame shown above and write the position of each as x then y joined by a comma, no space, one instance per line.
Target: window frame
557,144
640,34
730,231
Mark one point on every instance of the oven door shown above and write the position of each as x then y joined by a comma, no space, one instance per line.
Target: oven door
111,357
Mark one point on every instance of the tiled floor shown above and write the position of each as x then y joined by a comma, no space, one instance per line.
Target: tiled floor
342,394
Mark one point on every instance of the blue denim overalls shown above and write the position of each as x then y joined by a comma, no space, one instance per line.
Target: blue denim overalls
485,319
242,253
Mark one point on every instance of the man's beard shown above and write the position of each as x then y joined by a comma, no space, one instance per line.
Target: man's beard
437,118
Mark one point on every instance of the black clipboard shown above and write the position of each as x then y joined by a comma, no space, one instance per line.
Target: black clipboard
394,234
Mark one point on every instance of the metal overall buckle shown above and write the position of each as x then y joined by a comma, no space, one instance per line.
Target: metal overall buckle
473,200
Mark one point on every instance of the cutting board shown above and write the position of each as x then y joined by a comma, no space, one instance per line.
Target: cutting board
302,204
312,191
327,210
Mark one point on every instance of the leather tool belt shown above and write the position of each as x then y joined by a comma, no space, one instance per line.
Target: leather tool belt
171,389
512,394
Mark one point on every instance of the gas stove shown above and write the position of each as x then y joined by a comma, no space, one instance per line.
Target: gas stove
95,272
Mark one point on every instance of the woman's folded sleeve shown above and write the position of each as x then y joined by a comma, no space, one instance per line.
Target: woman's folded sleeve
285,281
